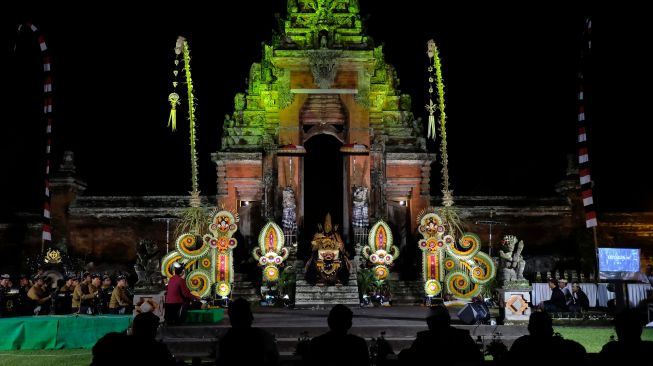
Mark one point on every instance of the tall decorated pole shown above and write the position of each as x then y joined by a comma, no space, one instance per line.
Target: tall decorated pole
447,211
204,242
195,218
452,262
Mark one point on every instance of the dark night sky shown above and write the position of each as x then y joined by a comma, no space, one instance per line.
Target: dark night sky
510,78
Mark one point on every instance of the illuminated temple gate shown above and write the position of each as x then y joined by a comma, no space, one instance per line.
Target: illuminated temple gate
323,93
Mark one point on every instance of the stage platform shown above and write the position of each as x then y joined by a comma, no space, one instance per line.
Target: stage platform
58,331
400,324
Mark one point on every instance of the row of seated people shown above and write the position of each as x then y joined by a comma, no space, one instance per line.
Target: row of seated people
92,294
247,345
563,300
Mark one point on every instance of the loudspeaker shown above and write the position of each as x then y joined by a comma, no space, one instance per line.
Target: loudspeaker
473,312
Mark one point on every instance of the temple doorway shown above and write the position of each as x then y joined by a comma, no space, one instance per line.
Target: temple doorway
323,186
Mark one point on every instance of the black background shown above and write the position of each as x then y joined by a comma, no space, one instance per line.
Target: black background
509,71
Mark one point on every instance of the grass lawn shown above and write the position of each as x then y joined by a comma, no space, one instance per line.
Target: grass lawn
63,357
593,338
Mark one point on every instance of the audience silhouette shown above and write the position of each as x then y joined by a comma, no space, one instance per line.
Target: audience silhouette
548,347
337,347
628,325
243,344
112,349
458,346
149,350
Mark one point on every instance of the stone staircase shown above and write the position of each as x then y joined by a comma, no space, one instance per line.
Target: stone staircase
309,296
406,292
245,289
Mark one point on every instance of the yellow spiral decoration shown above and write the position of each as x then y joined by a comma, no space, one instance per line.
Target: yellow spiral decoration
484,270
186,244
432,287
464,249
167,261
459,285
198,281
449,264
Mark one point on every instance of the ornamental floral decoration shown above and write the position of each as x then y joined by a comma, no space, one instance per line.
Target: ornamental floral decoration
454,265
379,251
270,253
208,259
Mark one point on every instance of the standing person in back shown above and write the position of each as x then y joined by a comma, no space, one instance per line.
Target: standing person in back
337,347
178,297
628,325
458,346
243,344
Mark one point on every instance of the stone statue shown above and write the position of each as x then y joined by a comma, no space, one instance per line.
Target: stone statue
289,216
511,263
328,264
360,210
148,266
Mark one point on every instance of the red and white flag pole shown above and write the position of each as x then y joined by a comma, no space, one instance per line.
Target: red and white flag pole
46,228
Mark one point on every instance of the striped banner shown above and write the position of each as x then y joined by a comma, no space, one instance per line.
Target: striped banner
583,151
46,230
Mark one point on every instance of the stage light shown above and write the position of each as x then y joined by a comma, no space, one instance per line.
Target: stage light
402,203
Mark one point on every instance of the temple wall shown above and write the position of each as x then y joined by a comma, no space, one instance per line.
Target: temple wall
107,229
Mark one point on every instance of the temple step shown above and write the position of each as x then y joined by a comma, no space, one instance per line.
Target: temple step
244,289
406,292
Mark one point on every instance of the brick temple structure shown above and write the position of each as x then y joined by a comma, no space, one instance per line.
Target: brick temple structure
323,114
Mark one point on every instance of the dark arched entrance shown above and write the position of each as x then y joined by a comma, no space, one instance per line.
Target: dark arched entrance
323,186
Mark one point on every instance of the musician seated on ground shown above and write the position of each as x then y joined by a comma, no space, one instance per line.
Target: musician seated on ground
24,284
120,302
64,296
87,292
77,292
557,303
39,297
580,301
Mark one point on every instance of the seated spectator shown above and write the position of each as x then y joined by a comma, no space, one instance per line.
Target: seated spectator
150,351
112,349
628,325
540,341
244,344
557,302
463,349
580,301
337,347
